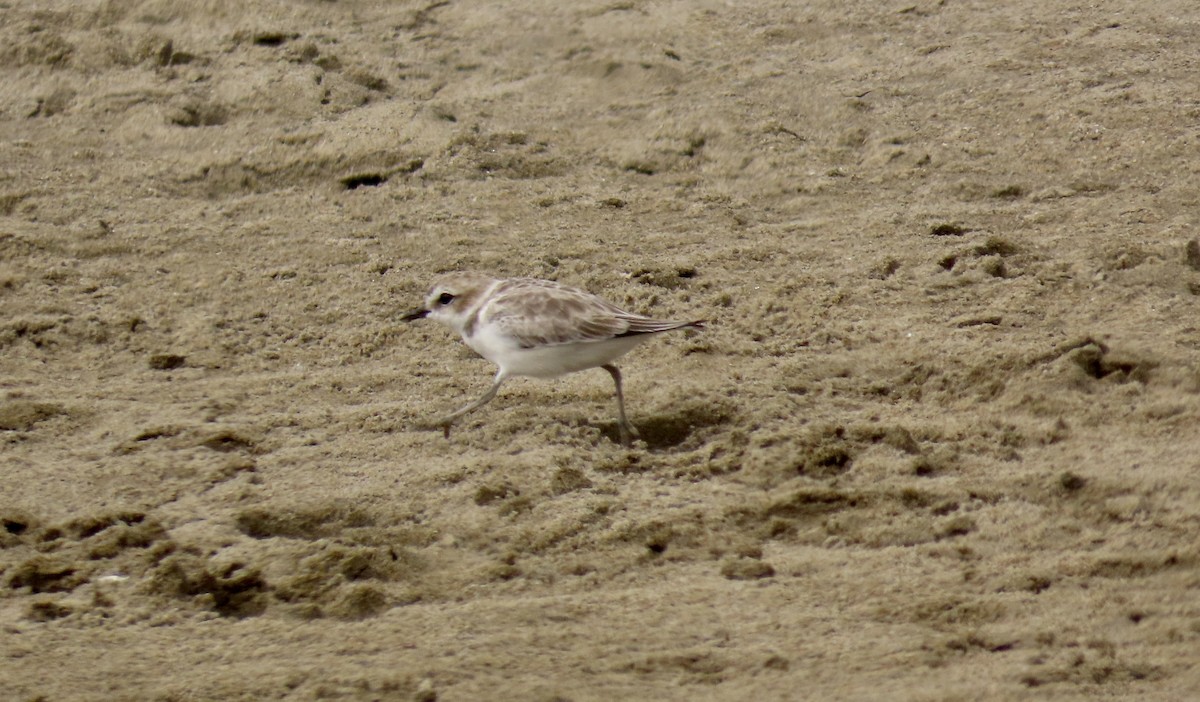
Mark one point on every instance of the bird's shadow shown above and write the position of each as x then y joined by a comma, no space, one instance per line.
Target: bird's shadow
664,432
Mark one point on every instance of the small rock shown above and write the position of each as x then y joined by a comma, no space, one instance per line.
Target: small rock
1071,482
22,415
747,569
426,692
166,361
1191,254
948,229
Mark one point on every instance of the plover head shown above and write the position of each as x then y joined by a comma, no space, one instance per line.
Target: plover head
453,299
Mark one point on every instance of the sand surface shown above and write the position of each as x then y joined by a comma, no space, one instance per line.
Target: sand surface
940,439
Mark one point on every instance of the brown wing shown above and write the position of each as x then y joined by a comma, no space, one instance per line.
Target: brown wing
543,313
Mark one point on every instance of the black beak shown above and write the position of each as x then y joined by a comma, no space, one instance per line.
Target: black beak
415,315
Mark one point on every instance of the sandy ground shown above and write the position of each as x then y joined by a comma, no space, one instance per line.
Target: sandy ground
938,442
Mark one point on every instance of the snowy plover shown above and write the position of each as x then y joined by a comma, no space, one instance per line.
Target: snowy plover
537,328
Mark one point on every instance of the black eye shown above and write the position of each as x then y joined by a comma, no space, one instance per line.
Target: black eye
445,299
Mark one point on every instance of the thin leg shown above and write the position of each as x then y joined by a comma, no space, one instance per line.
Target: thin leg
623,425
449,419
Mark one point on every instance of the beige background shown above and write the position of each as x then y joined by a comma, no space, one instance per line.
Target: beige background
939,441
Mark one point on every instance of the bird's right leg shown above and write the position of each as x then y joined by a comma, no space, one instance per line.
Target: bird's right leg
449,419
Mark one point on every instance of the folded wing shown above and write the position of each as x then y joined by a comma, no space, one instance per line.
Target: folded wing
535,314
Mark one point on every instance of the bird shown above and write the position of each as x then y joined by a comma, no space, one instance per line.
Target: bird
538,328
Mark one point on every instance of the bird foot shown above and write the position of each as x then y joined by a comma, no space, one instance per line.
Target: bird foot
628,435
442,425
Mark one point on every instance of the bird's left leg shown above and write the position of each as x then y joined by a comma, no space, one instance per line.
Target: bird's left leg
626,429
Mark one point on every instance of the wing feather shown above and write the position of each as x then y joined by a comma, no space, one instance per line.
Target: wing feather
542,313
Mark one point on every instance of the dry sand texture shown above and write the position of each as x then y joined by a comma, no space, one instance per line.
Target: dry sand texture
939,441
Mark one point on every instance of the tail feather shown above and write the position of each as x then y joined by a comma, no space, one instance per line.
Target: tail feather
654,326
